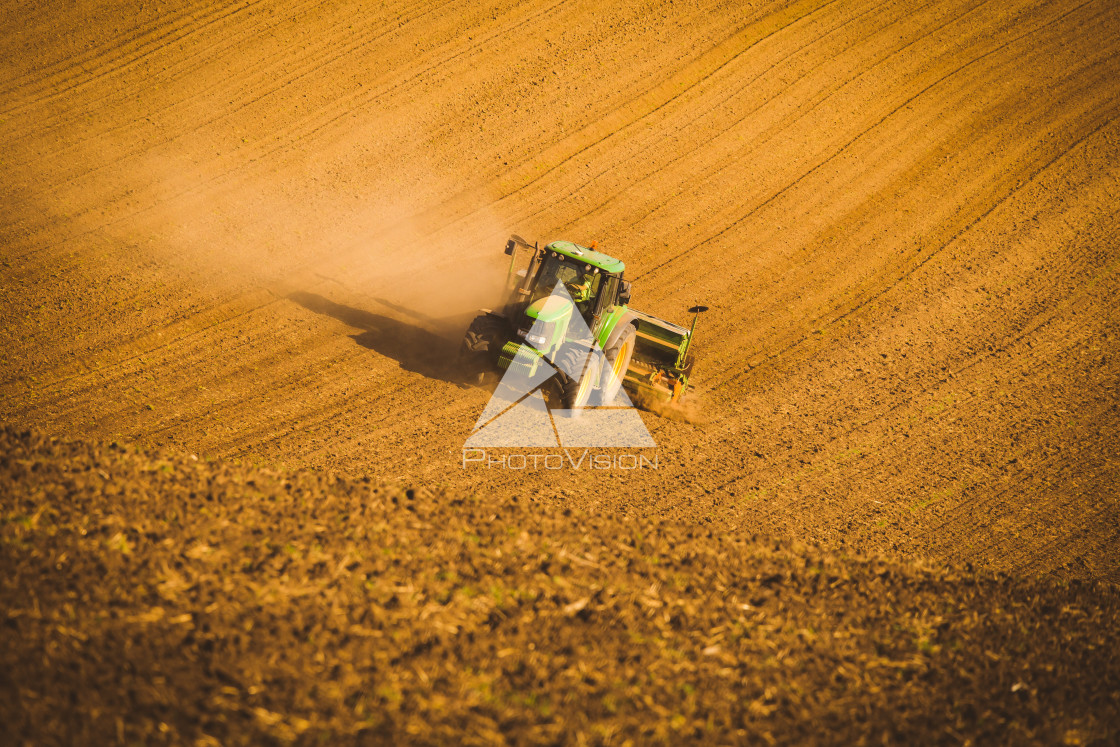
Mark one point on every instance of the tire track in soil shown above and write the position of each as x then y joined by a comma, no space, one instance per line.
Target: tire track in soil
256,84
1036,325
744,155
859,136
1033,328
186,66
117,60
288,137
931,247
460,205
680,155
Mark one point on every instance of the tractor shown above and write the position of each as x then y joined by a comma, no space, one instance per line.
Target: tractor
566,306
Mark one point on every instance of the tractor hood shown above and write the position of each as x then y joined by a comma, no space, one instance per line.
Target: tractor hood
550,309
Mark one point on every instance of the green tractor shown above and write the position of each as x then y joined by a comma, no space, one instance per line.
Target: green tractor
567,307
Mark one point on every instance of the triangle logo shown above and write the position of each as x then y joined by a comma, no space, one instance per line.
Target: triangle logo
518,416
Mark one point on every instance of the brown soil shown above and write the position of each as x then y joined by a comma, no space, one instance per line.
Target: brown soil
255,232
163,599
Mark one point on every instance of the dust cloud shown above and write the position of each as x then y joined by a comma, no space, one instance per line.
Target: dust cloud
376,246
688,409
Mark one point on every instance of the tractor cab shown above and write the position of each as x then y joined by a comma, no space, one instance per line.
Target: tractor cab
593,280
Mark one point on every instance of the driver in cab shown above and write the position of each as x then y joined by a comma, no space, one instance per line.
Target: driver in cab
580,288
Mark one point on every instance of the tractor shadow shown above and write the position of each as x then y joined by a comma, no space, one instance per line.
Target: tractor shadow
412,346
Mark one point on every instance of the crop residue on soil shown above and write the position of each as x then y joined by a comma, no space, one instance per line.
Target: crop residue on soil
155,597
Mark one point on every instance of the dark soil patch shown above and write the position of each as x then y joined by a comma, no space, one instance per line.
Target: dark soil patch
156,598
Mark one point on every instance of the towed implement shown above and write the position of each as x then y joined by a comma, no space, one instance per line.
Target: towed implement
568,305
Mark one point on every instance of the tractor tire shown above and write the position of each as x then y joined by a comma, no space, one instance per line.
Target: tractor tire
483,339
578,380
616,361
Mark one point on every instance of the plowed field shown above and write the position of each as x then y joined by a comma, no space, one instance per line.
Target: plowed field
255,232
160,599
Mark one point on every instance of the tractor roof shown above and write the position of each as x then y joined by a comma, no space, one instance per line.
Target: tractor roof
587,256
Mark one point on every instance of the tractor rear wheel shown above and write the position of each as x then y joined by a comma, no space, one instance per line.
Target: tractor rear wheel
617,356
481,343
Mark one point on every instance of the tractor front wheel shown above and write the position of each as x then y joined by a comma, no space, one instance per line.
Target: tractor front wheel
580,376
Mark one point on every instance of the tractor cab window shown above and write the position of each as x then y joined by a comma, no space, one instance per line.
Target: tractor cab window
580,281
608,296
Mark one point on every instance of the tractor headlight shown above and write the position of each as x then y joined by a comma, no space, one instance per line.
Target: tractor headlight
539,334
